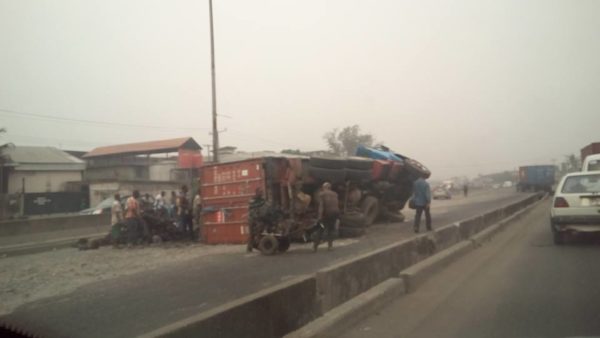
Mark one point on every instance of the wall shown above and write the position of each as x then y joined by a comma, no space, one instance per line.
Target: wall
162,171
127,172
41,181
49,224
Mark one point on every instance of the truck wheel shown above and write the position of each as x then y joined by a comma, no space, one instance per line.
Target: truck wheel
268,245
330,175
370,207
359,163
327,163
353,220
351,232
394,217
284,244
416,167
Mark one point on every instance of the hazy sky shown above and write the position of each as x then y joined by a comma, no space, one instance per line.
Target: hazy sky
466,87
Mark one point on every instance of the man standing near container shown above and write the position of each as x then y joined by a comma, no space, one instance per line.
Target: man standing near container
183,213
197,212
422,202
329,211
256,209
116,218
132,218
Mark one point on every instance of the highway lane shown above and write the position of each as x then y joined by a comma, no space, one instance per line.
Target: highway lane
518,285
138,303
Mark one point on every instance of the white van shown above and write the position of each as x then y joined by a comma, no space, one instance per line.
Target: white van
591,163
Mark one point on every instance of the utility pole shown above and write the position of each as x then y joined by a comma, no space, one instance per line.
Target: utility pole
215,133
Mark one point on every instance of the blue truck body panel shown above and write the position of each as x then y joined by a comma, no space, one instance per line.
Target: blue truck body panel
537,175
378,154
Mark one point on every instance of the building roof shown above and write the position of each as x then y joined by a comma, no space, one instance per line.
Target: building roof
151,147
41,158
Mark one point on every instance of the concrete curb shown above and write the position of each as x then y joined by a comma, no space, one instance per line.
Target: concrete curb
487,234
334,322
31,248
420,272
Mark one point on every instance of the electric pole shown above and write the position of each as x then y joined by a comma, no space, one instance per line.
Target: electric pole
215,131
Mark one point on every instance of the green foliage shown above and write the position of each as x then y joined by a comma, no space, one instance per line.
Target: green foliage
345,142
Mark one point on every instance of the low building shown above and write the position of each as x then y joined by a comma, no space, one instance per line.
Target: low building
39,170
149,167
39,181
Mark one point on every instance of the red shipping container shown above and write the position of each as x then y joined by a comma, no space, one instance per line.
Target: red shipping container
226,190
590,149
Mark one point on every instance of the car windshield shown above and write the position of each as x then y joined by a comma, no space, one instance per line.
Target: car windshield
593,165
582,184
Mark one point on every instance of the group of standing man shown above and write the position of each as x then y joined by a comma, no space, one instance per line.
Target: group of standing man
327,217
187,215
329,212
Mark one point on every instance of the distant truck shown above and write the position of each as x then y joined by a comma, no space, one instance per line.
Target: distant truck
536,178
590,157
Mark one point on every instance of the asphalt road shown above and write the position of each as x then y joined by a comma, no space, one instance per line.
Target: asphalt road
135,304
518,285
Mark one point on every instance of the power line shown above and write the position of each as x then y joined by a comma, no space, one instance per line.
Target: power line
93,122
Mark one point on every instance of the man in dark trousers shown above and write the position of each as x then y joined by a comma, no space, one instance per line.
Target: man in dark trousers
466,189
256,212
329,211
422,201
184,216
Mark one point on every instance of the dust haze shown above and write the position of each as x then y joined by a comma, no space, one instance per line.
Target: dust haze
466,87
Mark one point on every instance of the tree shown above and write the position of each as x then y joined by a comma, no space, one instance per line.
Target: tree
345,142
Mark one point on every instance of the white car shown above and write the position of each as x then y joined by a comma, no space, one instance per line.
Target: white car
576,205
591,163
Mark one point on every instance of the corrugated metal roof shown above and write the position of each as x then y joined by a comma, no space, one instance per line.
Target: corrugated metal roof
42,158
28,154
145,147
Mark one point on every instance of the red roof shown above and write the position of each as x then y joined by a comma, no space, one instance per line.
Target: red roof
151,147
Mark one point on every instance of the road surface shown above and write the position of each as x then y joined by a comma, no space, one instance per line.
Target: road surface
135,304
518,285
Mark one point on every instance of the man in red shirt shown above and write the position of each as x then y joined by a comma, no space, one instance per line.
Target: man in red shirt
132,218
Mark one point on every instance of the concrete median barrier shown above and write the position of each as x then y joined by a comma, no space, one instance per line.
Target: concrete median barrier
272,312
51,223
344,292
340,282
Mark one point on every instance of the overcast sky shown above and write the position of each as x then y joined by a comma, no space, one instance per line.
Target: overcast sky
466,87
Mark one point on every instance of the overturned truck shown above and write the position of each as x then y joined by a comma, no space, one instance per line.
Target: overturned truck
373,185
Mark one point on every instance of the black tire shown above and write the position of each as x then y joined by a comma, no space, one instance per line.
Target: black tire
358,175
394,217
370,207
351,232
359,163
284,244
268,245
353,220
329,175
327,163
416,168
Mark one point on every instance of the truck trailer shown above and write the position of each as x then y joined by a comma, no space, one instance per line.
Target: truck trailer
369,190
536,178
